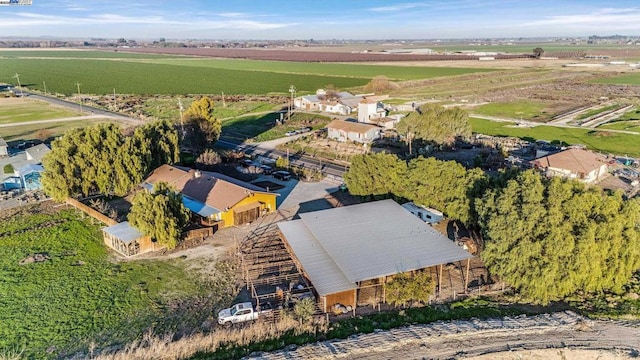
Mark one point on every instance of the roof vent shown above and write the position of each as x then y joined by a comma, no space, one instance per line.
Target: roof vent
197,174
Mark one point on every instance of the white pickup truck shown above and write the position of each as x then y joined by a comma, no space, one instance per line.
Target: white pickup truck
239,313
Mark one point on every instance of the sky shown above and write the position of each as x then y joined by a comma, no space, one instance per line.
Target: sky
320,19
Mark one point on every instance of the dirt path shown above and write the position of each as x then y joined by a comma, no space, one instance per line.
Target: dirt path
473,339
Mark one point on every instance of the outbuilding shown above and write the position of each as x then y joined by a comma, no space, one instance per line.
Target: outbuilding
348,251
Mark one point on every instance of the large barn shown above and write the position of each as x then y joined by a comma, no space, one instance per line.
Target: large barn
346,250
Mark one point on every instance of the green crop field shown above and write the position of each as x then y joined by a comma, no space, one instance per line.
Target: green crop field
326,69
77,295
524,109
31,131
102,76
169,109
631,125
603,141
627,79
14,110
99,72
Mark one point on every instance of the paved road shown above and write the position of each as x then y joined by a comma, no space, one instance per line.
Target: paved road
86,109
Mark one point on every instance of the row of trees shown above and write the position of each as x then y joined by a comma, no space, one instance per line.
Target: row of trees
444,185
548,238
436,124
102,159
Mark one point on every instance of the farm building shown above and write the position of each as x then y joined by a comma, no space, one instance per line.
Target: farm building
127,240
428,215
573,163
334,107
352,131
215,199
348,252
309,102
36,153
4,148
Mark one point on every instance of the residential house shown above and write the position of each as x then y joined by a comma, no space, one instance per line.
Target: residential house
214,199
370,110
350,251
334,107
36,153
4,148
344,131
309,102
573,163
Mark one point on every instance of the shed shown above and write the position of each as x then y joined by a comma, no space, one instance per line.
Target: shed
36,153
340,249
127,240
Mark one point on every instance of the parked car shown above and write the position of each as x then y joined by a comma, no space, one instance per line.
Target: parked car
282,175
240,313
266,169
291,133
246,163
304,130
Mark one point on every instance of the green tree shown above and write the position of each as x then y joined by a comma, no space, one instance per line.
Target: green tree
444,185
201,127
538,52
304,309
434,123
552,238
160,214
376,175
402,289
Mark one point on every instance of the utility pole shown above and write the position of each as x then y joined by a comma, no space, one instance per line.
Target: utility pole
292,90
181,117
17,77
78,85
223,103
45,87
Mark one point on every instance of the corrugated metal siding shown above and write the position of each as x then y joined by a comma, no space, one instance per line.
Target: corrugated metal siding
376,239
323,272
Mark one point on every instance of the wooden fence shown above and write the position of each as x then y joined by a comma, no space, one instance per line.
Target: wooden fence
91,212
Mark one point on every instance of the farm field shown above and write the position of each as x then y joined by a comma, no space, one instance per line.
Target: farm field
264,128
15,110
602,141
525,109
79,54
327,69
111,303
102,76
168,108
627,125
626,79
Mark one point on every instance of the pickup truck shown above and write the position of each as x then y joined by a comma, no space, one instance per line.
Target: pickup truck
239,313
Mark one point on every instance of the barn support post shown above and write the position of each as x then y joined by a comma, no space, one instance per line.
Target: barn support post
466,277
440,281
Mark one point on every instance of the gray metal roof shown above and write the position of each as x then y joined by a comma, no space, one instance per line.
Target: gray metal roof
376,239
323,272
37,152
123,231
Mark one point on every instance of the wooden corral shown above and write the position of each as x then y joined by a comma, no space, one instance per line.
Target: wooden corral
91,212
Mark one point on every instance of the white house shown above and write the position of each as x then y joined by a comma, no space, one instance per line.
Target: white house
334,107
352,131
573,163
309,102
428,215
369,110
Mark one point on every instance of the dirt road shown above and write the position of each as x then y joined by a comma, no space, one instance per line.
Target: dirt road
474,339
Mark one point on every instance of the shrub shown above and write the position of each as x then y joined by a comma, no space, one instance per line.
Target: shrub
8,169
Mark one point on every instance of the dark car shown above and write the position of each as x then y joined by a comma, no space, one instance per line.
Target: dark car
282,175
266,169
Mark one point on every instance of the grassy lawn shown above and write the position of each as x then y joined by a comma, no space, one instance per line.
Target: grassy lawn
29,132
78,295
606,142
529,110
13,110
632,125
626,79
264,128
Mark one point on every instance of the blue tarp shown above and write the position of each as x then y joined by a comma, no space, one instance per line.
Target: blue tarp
199,208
